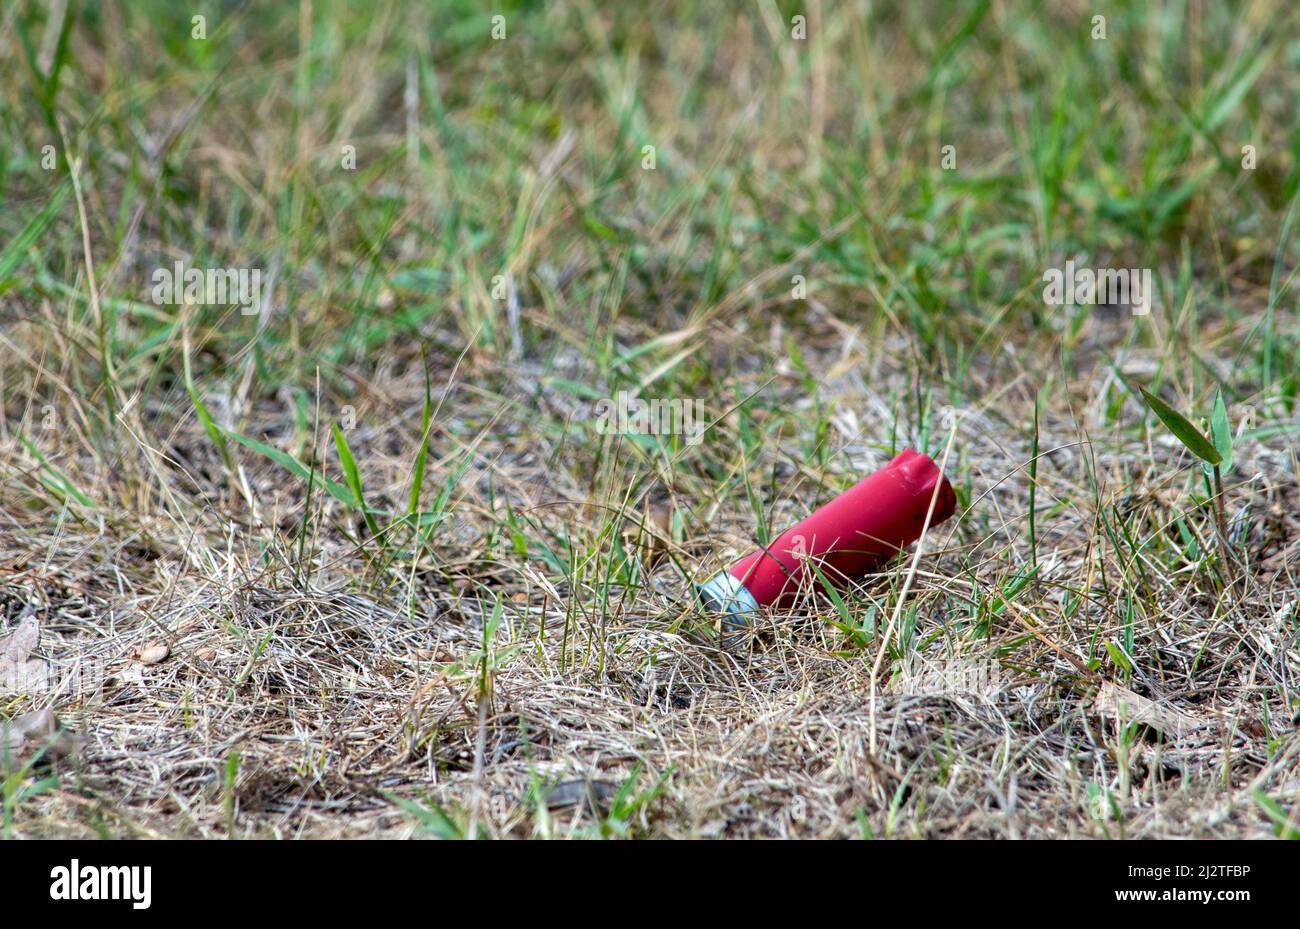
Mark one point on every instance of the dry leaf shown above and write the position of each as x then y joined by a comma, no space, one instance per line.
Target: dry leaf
27,678
594,795
133,673
27,734
20,643
20,674
153,653
1122,704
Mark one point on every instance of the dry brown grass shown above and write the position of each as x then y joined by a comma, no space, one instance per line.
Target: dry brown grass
336,696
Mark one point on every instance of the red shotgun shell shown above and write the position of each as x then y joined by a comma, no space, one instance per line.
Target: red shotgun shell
871,522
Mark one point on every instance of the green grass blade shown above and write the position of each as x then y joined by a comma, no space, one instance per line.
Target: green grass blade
11,256
57,482
1181,427
1284,827
293,465
1033,486
353,478
1221,431
422,457
1273,293
433,820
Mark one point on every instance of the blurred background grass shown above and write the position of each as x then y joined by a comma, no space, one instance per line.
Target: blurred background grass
773,157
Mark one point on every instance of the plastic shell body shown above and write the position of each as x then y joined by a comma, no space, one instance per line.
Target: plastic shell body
852,535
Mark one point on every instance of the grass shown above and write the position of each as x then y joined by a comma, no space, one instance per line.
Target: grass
409,585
